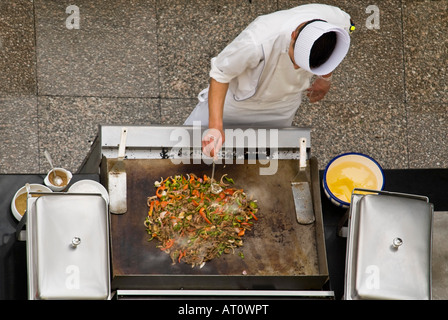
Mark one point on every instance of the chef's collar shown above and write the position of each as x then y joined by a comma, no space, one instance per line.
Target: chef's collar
308,34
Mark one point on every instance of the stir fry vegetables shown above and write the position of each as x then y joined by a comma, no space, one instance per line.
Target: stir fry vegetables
195,225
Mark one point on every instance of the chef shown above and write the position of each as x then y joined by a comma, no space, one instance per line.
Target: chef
258,79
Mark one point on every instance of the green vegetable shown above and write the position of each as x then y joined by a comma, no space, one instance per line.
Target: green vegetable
229,180
253,205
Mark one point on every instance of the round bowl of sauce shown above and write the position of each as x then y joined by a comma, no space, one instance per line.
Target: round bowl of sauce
18,203
349,171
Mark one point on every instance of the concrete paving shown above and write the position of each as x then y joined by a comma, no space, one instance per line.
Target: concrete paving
144,62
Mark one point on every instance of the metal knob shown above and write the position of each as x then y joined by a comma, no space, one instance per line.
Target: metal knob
397,242
76,241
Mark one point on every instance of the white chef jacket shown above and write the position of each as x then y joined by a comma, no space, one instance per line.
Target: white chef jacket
264,87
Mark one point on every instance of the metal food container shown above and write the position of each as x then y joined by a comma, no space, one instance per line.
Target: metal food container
389,246
68,246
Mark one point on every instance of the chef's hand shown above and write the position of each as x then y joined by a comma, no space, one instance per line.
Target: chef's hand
318,89
212,141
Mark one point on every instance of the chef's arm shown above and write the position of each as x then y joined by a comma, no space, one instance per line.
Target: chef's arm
216,96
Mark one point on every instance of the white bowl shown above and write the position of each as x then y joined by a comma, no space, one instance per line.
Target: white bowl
89,186
366,165
54,187
34,188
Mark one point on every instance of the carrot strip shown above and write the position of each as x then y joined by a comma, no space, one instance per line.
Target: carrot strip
168,244
202,213
253,215
151,208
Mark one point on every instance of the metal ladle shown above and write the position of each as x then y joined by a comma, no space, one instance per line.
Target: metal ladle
57,179
214,187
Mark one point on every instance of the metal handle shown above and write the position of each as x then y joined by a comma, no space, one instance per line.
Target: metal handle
398,194
76,241
302,159
397,242
122,146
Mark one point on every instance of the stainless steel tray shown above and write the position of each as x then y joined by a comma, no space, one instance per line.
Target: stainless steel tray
389,247
67,246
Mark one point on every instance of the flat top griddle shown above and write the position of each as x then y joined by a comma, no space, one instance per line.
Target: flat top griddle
276,246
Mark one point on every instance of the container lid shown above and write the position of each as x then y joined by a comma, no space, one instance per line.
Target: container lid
390,248
70,249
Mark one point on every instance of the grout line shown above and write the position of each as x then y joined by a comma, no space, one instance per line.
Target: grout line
37,86
115,97
159,85
405,100
35,48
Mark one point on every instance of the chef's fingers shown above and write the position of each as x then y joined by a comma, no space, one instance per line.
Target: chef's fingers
211,148
309,93
207,148
212,142
315,95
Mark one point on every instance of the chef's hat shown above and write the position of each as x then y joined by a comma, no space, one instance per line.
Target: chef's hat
305,41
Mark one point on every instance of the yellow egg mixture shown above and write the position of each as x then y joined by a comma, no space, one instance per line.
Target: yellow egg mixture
344,177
